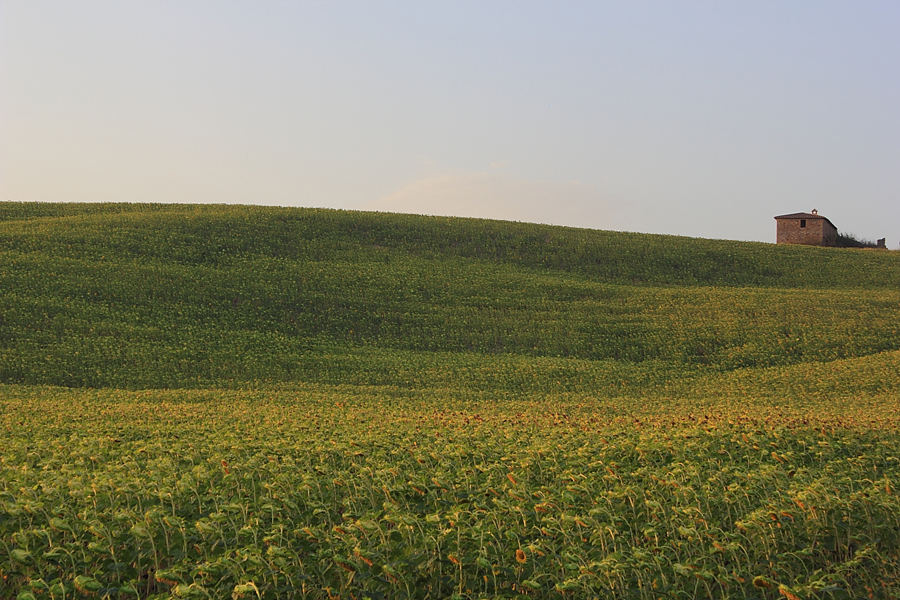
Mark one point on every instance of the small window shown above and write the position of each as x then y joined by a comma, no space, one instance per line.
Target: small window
802,222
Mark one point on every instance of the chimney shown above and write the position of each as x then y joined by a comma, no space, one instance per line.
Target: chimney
815,212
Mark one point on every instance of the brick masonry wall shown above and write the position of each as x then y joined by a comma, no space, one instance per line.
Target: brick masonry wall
818,232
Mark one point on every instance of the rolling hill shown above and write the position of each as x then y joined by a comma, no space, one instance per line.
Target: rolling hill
247,402
150,296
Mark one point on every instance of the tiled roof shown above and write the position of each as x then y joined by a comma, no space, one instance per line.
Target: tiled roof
800,216
803,215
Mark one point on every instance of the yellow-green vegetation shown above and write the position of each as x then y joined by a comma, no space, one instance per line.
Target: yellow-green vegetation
211,401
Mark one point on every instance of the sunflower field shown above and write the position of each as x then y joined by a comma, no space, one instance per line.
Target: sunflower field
246,402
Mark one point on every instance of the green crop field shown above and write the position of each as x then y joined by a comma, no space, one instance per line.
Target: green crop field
248,402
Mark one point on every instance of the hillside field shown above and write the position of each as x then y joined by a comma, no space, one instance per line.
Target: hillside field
233,401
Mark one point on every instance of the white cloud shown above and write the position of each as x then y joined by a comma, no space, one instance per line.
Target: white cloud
494,195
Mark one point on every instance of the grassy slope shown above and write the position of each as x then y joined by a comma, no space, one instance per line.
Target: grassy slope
192,296
433,396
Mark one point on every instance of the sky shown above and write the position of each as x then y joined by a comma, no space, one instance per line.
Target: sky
702,119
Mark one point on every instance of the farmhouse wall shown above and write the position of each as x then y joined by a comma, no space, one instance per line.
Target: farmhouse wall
805,228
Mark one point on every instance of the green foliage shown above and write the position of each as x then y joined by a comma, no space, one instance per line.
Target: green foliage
848,240
195,296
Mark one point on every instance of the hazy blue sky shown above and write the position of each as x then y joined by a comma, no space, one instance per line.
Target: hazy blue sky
692,118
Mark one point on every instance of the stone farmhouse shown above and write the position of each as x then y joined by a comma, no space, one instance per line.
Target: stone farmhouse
806,228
